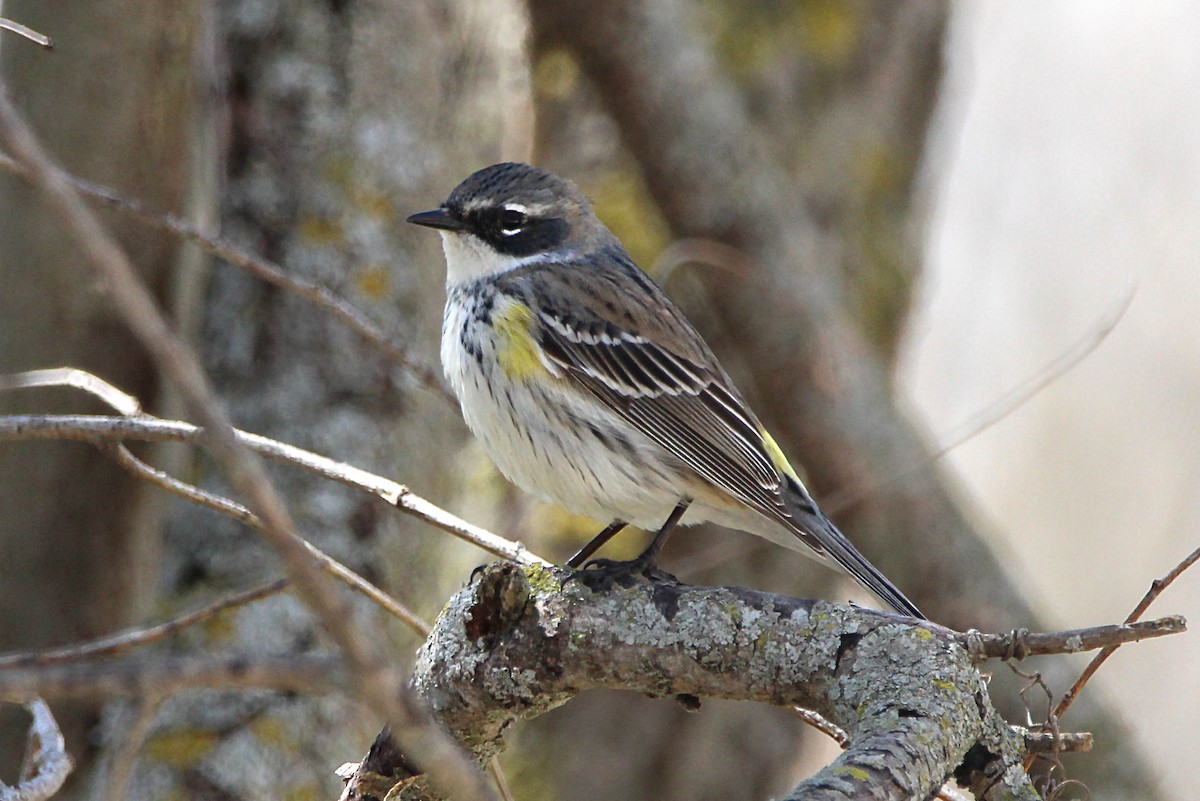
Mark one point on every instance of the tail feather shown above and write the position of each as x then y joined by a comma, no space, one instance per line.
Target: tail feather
811,524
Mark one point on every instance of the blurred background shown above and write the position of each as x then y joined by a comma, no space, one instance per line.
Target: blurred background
1065,173
886,218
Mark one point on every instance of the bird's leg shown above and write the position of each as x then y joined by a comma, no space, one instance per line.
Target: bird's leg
647,557
597,542
601,572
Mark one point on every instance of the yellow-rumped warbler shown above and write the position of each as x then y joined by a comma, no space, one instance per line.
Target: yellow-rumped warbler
590,389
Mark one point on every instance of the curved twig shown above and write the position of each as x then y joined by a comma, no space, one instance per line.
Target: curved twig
103,428
119,643
261,268
47,763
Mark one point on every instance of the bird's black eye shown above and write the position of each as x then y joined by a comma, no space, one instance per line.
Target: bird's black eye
512,220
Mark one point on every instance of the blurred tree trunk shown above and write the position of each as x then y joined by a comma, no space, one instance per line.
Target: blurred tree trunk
343,118
116,103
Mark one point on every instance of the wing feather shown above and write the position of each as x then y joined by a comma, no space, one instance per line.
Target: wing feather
682,405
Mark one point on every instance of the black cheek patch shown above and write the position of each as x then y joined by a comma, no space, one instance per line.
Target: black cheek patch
537,236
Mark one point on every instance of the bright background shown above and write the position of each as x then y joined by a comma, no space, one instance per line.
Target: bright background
1064,171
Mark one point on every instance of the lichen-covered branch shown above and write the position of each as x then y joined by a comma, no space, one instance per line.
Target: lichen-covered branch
518,642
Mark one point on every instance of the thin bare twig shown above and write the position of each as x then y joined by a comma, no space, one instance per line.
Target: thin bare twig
1018,645
27,32
163,676
100,428
1156,589
694,250
500,779
1005,406
131,407
1054,789
1043,742
123,762
47,763
1050,372
821,724
1050,723
75,378
234,509
261,268
209,500
377,681
133,638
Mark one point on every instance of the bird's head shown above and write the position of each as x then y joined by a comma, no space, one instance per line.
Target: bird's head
511,214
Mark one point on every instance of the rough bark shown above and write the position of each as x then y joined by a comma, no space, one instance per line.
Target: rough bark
116,102
517,643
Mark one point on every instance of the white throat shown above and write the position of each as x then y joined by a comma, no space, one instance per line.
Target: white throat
468,257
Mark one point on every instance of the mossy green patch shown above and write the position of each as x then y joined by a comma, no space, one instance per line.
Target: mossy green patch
542,580
304,792
858,774
321,231
181,748
373,283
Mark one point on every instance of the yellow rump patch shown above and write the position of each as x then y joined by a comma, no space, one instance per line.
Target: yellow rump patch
777,458
515,348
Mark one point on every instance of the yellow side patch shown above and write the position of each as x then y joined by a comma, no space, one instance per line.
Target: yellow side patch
777,458
515,348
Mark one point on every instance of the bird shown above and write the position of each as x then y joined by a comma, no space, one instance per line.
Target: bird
590,389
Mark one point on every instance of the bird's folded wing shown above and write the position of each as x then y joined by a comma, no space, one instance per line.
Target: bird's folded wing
683,406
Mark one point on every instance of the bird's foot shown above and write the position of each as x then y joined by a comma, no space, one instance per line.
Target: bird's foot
602,574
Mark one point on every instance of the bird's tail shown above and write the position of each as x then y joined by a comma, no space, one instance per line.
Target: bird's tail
811,524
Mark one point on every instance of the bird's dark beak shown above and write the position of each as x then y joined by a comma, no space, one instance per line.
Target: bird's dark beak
438,218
